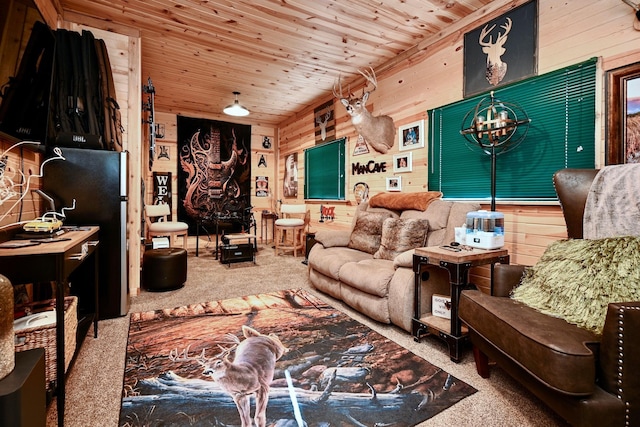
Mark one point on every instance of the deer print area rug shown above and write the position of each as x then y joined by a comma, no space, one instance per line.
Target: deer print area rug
283,358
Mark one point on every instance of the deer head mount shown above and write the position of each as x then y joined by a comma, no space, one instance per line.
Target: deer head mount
636,7
380,131
496,69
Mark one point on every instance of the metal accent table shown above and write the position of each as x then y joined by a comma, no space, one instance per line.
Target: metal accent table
458,265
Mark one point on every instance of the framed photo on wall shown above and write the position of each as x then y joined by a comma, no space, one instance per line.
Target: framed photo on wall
402,162
290,182
501,51
394,183
623,115
411,136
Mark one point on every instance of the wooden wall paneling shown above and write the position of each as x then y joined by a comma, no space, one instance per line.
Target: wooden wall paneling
49,11
21,164
170,143
135,147
258,133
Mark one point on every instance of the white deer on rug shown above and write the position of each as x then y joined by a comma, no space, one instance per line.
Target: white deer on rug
380,131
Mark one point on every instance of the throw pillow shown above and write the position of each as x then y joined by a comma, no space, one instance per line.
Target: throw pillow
367,231
404,201
576,279
399,235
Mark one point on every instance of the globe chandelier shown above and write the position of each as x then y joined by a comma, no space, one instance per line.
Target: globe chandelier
495,127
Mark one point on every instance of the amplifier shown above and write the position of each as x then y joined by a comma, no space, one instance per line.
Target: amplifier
237,253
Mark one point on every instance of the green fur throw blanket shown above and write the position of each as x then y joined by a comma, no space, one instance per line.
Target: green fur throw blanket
576,279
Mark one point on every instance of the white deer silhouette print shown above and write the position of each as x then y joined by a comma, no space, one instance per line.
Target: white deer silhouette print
496,69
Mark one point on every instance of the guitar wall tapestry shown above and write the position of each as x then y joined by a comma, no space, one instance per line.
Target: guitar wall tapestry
214,170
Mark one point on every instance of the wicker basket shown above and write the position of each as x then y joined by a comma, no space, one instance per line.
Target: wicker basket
45,337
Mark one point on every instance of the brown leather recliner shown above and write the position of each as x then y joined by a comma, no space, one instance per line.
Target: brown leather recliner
586,379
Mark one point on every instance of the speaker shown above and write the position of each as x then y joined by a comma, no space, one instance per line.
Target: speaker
23,401
236,253
310,240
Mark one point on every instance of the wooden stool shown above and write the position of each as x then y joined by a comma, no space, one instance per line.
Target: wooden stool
159,226
290,231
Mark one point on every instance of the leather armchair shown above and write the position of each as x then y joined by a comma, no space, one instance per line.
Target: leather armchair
588,380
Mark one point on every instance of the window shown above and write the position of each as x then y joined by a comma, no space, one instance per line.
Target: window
324,171
561,106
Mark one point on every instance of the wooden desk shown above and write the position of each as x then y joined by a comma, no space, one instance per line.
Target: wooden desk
55,261
458,265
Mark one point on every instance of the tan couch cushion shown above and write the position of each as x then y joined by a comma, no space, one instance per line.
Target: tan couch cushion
400,235
371,276
437,213
329,261
405,259
367,232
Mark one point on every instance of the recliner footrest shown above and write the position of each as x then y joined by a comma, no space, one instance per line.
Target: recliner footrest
549,348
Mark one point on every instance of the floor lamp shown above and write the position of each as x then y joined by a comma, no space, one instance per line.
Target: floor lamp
492,127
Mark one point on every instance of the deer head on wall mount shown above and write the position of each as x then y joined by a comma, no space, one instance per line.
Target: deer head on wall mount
380,131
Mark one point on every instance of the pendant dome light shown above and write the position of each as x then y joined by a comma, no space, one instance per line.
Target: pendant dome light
236,109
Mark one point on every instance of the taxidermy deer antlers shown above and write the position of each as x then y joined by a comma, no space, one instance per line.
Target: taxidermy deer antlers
380,131
636,7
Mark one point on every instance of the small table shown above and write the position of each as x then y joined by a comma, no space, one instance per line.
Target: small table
264,226
458,265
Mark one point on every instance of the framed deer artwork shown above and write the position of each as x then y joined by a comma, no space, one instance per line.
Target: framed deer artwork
502,51
324,123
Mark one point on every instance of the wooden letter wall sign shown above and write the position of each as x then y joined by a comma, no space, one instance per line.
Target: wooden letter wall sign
370,167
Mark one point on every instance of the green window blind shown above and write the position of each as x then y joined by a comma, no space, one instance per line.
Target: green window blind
561,106
324,171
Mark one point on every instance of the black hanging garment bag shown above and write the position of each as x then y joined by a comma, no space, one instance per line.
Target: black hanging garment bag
87,114
25,97
112,122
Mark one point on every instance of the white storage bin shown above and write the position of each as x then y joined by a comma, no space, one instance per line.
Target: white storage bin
485,229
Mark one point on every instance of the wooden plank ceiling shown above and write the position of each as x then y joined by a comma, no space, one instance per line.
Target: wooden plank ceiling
283,56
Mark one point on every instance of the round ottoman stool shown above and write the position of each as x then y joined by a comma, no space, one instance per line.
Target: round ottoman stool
164,269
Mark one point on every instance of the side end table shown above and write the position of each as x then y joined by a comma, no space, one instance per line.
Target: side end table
265,218
458,265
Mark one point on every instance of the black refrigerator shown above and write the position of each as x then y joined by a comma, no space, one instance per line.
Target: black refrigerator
97,180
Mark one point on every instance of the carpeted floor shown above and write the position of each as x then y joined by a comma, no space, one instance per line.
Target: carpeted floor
95,383
339,371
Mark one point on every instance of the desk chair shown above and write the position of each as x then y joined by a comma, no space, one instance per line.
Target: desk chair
290,228
158,226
